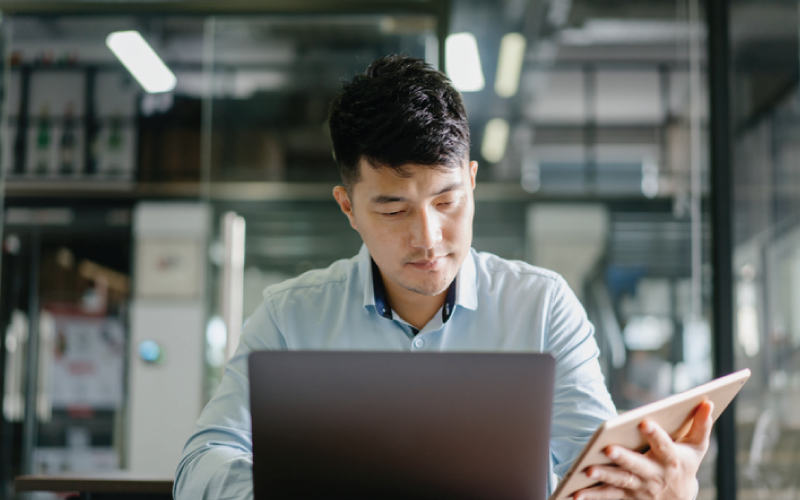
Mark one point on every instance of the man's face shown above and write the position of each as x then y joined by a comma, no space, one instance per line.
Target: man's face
418,227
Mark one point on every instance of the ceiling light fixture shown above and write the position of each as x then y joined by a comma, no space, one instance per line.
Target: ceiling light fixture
463,62
142,61
509,64
495,138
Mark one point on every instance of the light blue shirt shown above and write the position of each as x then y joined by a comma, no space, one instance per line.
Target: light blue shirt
500,306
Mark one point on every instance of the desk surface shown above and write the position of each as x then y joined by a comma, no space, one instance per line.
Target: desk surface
97,482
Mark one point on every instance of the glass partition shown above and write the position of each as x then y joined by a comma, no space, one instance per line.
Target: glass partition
600,174
267,151
76,139
9,246
592,164
765,107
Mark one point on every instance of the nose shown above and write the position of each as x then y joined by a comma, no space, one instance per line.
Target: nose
426,231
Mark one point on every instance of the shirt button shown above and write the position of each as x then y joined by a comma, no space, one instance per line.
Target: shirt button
418,343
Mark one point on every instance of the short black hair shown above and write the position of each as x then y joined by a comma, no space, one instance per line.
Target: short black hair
400,111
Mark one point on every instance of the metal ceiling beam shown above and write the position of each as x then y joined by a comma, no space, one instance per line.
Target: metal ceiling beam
209,7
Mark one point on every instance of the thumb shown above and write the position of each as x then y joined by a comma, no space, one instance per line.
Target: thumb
700,432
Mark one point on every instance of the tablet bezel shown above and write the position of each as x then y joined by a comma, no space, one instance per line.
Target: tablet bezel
673,413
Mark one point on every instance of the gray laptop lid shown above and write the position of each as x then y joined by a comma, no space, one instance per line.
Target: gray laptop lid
355,425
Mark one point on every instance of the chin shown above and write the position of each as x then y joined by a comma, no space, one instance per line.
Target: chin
430,292
429,289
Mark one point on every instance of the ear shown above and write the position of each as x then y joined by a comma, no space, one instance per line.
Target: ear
473,172
343,199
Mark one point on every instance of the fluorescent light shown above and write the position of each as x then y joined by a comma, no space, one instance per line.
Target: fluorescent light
495,138
463,62
142,61
509,64
629,32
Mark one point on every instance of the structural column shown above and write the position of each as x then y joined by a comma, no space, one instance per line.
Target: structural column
718,22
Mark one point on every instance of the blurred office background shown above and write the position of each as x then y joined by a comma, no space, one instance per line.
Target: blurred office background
140,226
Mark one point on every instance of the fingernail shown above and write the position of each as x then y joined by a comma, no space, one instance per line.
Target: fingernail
612,453
593,474
647,427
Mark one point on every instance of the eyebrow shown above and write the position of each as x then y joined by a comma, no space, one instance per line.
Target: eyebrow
383,199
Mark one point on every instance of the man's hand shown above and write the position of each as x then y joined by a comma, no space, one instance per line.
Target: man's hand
667,471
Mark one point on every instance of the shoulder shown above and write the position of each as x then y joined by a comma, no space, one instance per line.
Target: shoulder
491,267
338,275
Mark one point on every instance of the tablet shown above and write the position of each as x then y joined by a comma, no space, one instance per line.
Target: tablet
673,413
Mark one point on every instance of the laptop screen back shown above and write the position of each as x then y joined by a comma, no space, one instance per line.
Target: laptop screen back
361,425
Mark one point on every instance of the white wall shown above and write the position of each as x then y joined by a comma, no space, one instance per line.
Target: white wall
169,308
566,238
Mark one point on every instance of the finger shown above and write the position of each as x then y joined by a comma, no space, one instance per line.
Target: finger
700,432
661,444
633,462
601,492
614,476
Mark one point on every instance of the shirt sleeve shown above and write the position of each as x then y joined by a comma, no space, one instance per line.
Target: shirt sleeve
217,460
581,399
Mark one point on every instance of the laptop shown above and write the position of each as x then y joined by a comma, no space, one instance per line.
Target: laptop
384,425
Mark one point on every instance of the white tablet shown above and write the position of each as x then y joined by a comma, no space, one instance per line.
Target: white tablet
673,413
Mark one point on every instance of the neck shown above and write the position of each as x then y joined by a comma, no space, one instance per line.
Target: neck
414,307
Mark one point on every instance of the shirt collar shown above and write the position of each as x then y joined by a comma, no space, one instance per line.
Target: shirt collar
365,273
462,292
467,283
379,292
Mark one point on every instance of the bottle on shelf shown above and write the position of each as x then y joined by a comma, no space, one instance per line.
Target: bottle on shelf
19,148
68,142
42,157
115,146
95,147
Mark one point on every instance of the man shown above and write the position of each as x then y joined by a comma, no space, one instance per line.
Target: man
401,140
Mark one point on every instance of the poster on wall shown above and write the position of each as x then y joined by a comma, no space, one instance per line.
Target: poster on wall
58,460
88,362
169,268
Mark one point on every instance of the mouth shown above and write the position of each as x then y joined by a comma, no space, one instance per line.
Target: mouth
428,264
